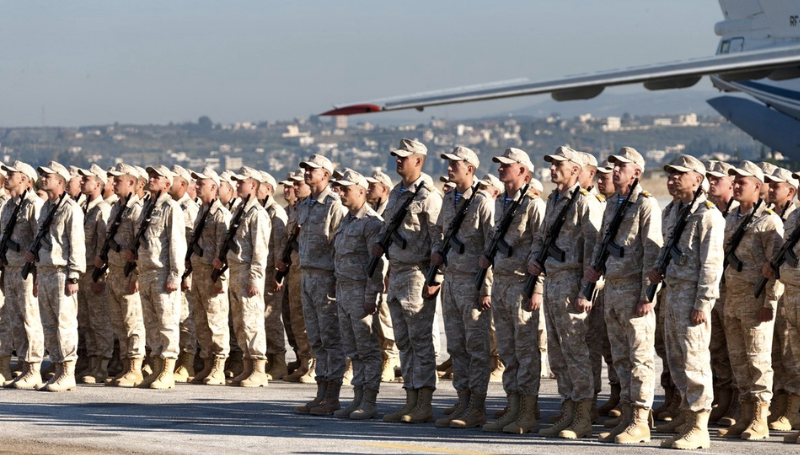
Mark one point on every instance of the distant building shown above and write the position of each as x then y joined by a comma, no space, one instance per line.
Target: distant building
688,120
233,163
663,121
612,124
340,121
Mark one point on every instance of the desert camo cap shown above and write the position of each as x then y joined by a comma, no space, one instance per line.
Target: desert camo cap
410,147
514,155
318,161
461,153
380,177
207,173
55,168
565,153
350,177
95,171
162,171
747,169
628,155
782,175
686,163
23,168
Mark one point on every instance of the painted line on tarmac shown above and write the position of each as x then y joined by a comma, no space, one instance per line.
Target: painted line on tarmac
415,448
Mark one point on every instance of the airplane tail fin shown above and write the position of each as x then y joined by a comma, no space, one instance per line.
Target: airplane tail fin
760,23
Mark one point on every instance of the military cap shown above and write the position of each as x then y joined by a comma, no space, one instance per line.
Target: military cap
782,175
267,178
565,153
351,177
410,147
461,153
55,168
318,161
207,173
95,171
163,171
747,169
182,172
23,168
380,177
686,163
514,155
491,180
628,155
718,169
247,172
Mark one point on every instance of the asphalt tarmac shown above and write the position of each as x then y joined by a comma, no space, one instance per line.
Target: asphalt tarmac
194,419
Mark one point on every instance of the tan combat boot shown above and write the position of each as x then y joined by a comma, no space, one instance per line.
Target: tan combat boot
57,369
98,374
723,397
217,374
358,396
125,366
331,402
613,401
509,416
348,371
745,416
412,396
368,407
247,370
460,407
208,365
5,369
185,367
30,379
526,418
158,368
568,415
387,369
673,425
790,418
473,417
696,436
639,429
299,371
132,376
166,377
581,425
322,390
777,406
310,375
758,427
65,381
423,410
625,419
277,367
258,377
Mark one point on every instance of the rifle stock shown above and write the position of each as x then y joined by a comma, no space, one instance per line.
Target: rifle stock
390,233
498,243
115,223
226,246
450,239
286,255
130,266
37,241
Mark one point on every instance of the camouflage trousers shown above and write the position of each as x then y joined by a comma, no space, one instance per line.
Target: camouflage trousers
791,343
24,316
59,314
687,347
359,338
467,330
542,332
125,310
247,314
632,341
516,328
322,323
6,341
383,324
188,331
413,319
779,365
273,326
660,339
596,341
210,312
94,313
162,314
296,318
566,336
720,361
749,344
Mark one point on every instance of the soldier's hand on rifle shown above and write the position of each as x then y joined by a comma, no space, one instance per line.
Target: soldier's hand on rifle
485,303
765,314
591,275
252,291
35,289
97,288
217,264
276,287
767,271
654,276
130,256
430,291
29,257
377,251
133,286
698,317
71,289
583,305
534,268
98,262
185,286
484,262
437,259
371,306
535,302
218,287
170,287
281,266
642,308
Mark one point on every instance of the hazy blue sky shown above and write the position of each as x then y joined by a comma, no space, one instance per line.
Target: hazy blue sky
95,62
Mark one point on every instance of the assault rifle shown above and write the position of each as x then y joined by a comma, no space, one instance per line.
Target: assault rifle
450,239
390,235
549,247
286,254
727,208
109,242
7,243
736,238
137,241
670,251
786,253
195,245
608,247
498,240
37,241
228,243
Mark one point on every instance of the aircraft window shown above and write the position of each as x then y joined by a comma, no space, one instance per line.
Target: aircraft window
725,47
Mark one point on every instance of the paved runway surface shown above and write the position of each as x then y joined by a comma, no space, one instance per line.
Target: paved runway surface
196,419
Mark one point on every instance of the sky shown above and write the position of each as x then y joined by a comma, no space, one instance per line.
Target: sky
99,62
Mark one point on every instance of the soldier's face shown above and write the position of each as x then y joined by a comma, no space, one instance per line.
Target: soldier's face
352,196
246,186
720,186
50,182
206,189
288,193
15,180
586,176
315,175
225,191
158,183
562,171
624,173
301,189
262,192
89,184
746,189
604,183
124,185
458,171
511,172
75,185
780,192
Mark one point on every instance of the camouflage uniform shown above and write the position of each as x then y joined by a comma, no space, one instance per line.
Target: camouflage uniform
596,333
62,256
693,285
353,242
293,280
160,261
276,341
516,327
566,328
247,260
24,320
319,219
660,338
125,307
632,337
466,326
412,315
6,340
780,365
99,334
720,361
210,310
383,322
790,277
188,331
750,341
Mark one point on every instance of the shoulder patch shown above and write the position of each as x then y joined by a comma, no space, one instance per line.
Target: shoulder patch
769,211
584,192
711,205
646,194
601,198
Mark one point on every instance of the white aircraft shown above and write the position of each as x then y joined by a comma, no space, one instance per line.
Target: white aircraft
758,55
